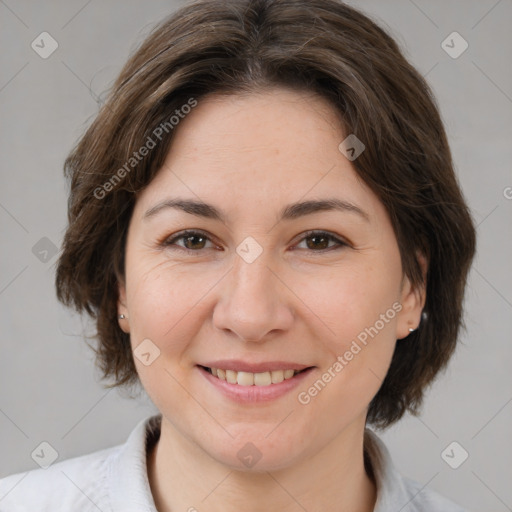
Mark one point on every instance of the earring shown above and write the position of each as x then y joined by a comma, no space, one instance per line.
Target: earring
424,316
121,317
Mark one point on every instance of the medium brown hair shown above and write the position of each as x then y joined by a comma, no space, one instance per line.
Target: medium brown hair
245,46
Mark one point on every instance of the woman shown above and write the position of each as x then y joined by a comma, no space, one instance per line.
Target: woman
265,224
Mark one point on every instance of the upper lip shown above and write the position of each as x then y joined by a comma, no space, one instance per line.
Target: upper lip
238,365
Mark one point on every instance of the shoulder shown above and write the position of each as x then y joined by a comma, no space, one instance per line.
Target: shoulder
73,484
395,492
426,500
110,479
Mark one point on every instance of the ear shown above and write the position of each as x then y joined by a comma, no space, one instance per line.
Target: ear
413,301
124,323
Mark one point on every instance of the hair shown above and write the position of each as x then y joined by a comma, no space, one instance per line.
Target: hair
245,47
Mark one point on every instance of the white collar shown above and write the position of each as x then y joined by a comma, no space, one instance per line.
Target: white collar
129,489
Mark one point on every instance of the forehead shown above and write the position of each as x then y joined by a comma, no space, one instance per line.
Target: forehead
276,122
271,147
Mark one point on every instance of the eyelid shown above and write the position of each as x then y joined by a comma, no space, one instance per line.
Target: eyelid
339,240
169,240
342,241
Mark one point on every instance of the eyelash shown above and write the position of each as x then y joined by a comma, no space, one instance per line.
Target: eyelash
184,234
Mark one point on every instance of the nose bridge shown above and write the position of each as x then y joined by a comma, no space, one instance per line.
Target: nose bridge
252,302
253,278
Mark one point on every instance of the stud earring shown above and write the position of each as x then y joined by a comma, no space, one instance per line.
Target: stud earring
121,317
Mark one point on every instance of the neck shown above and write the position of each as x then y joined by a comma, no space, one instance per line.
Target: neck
184,477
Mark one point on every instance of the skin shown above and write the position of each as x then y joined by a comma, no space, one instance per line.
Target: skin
301,300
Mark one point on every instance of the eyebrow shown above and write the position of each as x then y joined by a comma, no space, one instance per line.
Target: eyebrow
289,212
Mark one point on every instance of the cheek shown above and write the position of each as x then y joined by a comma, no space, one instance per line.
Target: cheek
163,301
360,307
353,300
161,295
161,298
357,360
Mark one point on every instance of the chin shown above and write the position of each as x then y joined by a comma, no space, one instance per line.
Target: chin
249,459
250,451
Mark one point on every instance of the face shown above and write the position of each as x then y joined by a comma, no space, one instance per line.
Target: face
265,286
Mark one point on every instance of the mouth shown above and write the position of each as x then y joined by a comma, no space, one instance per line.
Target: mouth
259,379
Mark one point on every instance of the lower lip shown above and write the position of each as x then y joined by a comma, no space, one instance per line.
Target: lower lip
251,394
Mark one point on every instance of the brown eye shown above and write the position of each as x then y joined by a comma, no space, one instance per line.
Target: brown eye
192,240
195,241
318,241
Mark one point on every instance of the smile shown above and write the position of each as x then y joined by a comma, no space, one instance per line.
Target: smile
252,379
265,382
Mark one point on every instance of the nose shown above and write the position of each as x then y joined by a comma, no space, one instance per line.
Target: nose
254,302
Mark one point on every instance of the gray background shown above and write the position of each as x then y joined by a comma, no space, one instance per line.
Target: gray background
48,387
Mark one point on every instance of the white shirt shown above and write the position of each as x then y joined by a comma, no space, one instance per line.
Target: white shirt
115,480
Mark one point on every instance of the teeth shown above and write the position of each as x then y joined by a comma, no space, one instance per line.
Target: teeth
288,374
253,379
244,378
262,379
231,376
277,376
